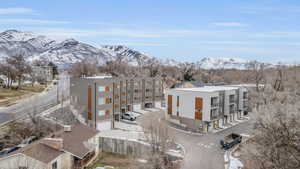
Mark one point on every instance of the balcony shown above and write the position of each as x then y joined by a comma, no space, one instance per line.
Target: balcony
214,114
214,102
245,96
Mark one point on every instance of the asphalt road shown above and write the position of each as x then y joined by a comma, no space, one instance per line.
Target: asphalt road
204,152
36,103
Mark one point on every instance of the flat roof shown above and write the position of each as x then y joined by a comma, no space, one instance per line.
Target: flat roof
206,89
243,85
98,77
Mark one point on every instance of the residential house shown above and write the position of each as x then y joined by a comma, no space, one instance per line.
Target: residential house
46,72
70,148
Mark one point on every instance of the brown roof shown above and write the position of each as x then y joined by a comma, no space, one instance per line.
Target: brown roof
42,153
73,141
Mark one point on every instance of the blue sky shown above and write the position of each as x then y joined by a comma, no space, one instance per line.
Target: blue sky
266,30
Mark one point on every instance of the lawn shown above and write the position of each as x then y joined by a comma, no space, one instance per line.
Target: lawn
11,95
111,159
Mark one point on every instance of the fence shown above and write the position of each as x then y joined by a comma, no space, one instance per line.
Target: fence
121,146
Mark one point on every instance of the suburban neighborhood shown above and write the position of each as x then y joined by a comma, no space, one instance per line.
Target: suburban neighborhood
149,85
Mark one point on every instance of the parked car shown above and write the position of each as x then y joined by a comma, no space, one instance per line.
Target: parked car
133,114
27,141
8,150
105,167
230,140
128,116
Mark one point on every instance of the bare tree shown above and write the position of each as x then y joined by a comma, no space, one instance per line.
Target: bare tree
187,70
83,68
277,128
20,65
9,72
159,137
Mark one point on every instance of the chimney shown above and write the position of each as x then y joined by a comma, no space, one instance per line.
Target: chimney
56,143
67,128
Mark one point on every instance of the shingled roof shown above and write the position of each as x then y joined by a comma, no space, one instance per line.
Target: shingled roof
73,141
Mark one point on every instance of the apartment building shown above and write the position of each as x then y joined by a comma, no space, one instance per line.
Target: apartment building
205,108
105,98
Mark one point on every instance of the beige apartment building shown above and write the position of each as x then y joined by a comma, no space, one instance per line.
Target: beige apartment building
106,98
206,108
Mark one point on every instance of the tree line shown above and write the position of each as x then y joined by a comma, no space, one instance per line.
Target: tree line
17,69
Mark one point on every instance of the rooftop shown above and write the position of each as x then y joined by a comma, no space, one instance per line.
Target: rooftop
207,89
98,77
74,142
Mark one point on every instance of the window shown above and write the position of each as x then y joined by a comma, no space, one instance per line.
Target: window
231,109
101,89
54,165
231,98
101,101
214,101
177,101
245,95
107,112
213,113
107,100
101,112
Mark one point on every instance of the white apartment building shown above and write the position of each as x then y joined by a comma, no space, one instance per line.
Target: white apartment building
205,108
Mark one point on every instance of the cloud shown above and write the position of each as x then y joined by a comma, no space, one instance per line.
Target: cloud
230,24
32,21
6,11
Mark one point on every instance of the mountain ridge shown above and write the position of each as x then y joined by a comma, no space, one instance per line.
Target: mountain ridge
70,51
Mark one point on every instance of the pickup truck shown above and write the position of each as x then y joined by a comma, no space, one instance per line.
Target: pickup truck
230,140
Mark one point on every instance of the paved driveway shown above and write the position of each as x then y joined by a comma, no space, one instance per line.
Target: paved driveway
204,152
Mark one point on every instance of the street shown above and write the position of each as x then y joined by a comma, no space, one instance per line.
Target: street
202,151
38,102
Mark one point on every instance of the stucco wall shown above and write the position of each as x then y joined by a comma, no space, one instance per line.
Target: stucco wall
187,103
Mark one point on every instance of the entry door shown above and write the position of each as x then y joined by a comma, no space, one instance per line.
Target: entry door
169,104
198,108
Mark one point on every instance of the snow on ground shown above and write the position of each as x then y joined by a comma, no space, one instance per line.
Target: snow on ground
232,162
245,135
128,127
104,126
122,135
235,163
206,145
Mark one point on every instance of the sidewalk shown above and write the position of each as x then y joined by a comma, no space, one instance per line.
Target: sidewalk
231,124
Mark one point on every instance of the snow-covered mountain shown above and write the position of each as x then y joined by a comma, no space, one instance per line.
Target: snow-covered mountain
69,51
223,63
127,55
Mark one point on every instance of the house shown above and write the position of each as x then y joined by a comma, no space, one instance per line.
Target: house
43,71
106,98
70,148
205,108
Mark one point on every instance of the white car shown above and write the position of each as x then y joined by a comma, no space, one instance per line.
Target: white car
133,114
105,167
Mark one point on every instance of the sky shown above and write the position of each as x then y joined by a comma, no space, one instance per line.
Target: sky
185,30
